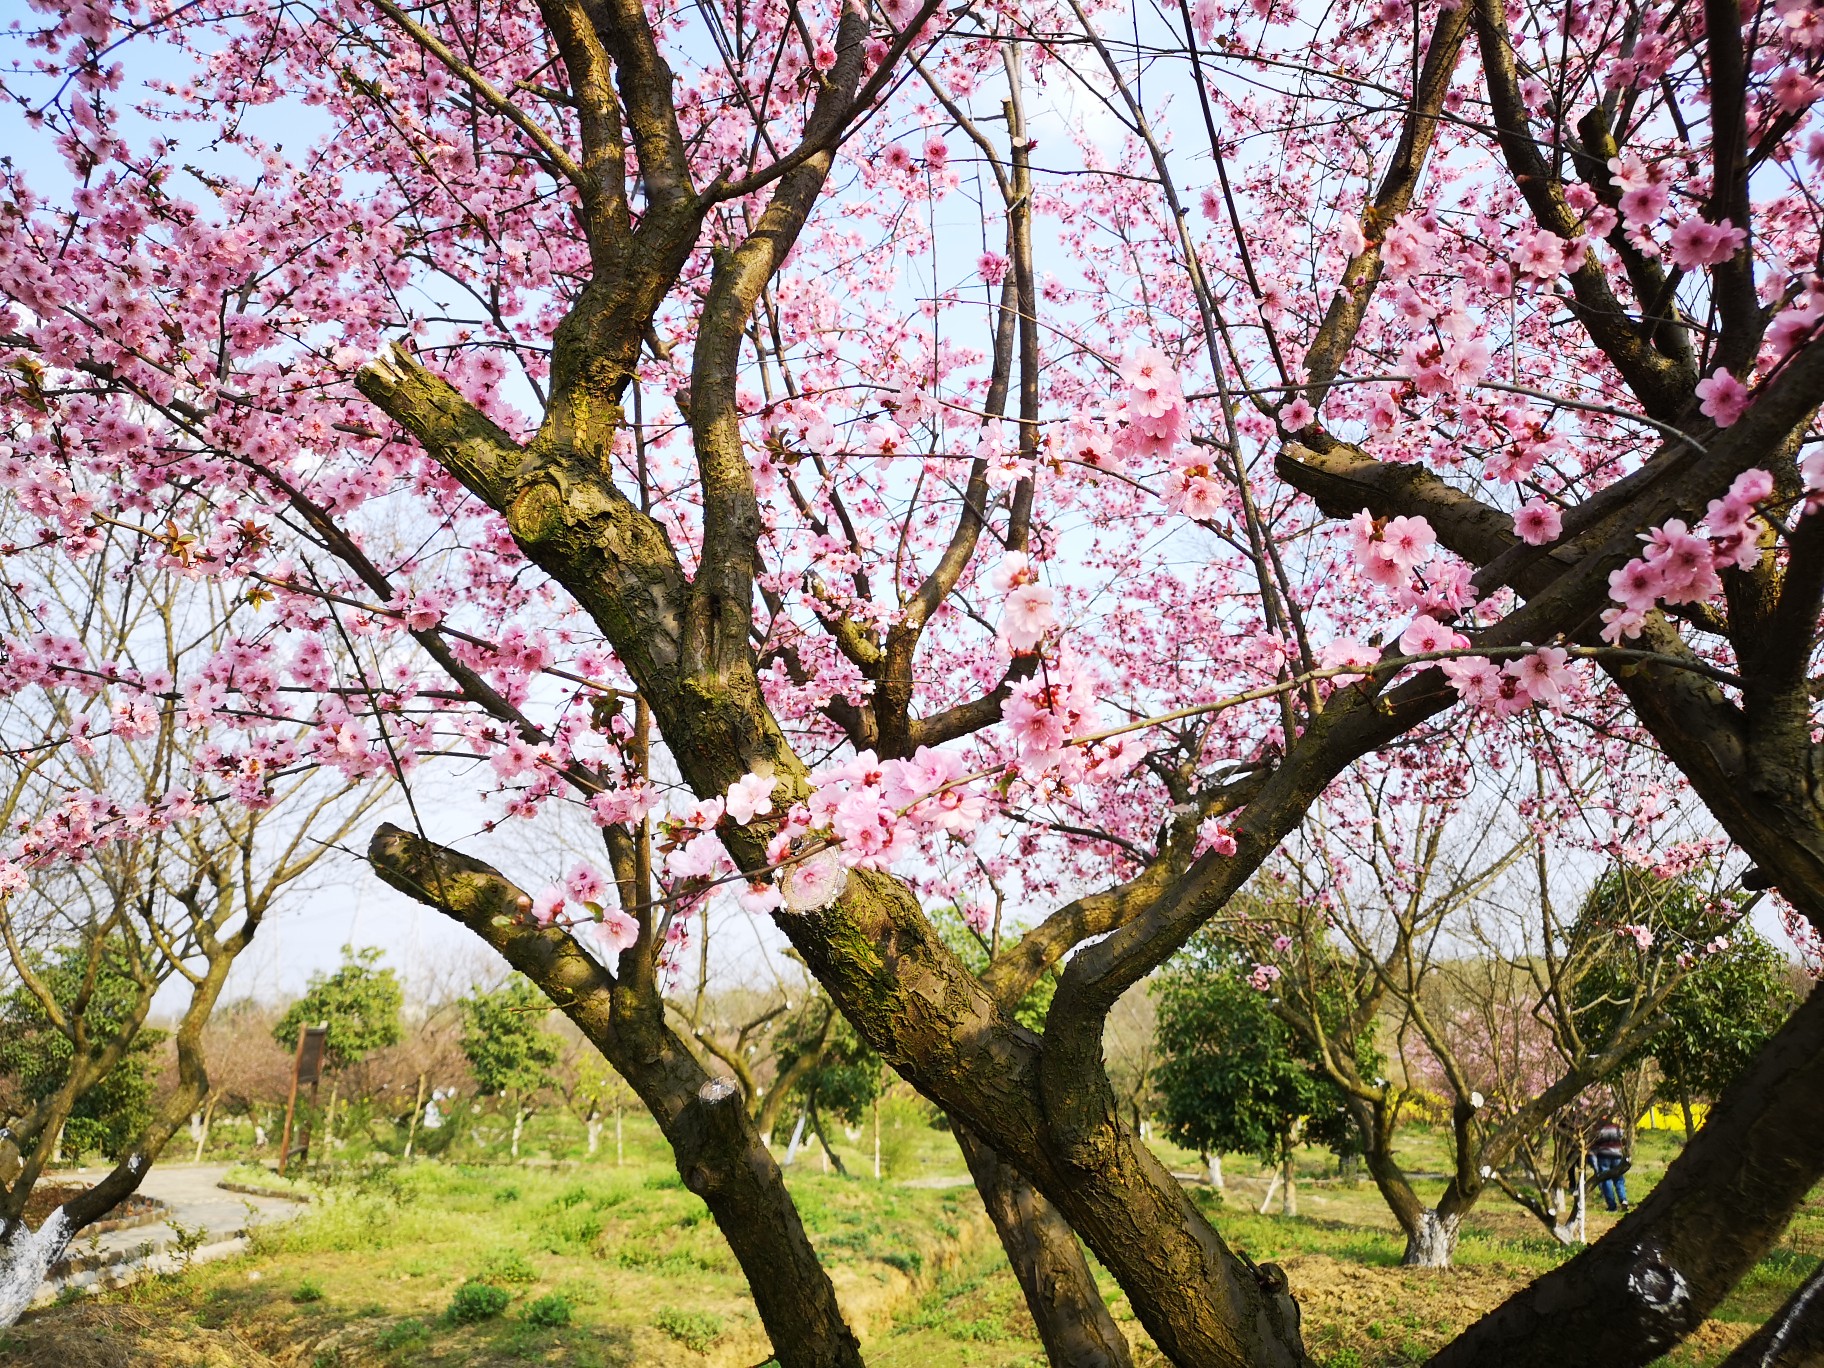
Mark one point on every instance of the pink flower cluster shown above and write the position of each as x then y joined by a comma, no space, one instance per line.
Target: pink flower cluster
872,812
1215,837
1389,552
1645,191
1029,613
1153,406
1680,566
1544,677
695,851
612,929
1641,936
1045,711
1697,242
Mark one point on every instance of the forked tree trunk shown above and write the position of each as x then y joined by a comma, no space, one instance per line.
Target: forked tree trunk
1073,1321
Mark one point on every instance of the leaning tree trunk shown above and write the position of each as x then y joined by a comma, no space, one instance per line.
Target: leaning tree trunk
1073,1322
718,1152
1720,1207
1793,1336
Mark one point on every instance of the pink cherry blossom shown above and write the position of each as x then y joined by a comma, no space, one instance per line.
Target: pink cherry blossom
1545,675
1427,634
615,933
1696,243
1028,616
547,905
749,797
1538,522
585,884
1215,836
1724,397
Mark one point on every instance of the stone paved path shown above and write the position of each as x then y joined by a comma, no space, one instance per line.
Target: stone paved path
196,1203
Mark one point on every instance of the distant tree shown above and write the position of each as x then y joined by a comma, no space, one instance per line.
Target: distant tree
828,1069
1231,1075
509,1049
359,1003
591,1089
1735,995
249,1074
93,988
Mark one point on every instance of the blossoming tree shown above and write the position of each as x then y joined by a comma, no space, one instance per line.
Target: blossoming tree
579,354
144,853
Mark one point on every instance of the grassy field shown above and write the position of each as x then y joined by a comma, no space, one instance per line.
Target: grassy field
444,1264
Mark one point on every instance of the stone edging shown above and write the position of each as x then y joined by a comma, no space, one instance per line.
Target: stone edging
249,1190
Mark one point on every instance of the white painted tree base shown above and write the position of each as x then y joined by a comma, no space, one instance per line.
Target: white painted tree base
26,1257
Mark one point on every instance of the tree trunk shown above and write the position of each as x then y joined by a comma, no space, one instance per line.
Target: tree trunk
592,1127
1288,1192
1272,1187
1793,1336
1653,1278
25,1257
718,1152
1684,1107
203,1120
1212,1164
411,1129
1433,1243
519,1126
831,1159
1073,1322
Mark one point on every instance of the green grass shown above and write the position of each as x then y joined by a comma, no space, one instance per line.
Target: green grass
595,1264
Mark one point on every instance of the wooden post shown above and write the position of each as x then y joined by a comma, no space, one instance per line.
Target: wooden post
306,1067
411,1131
